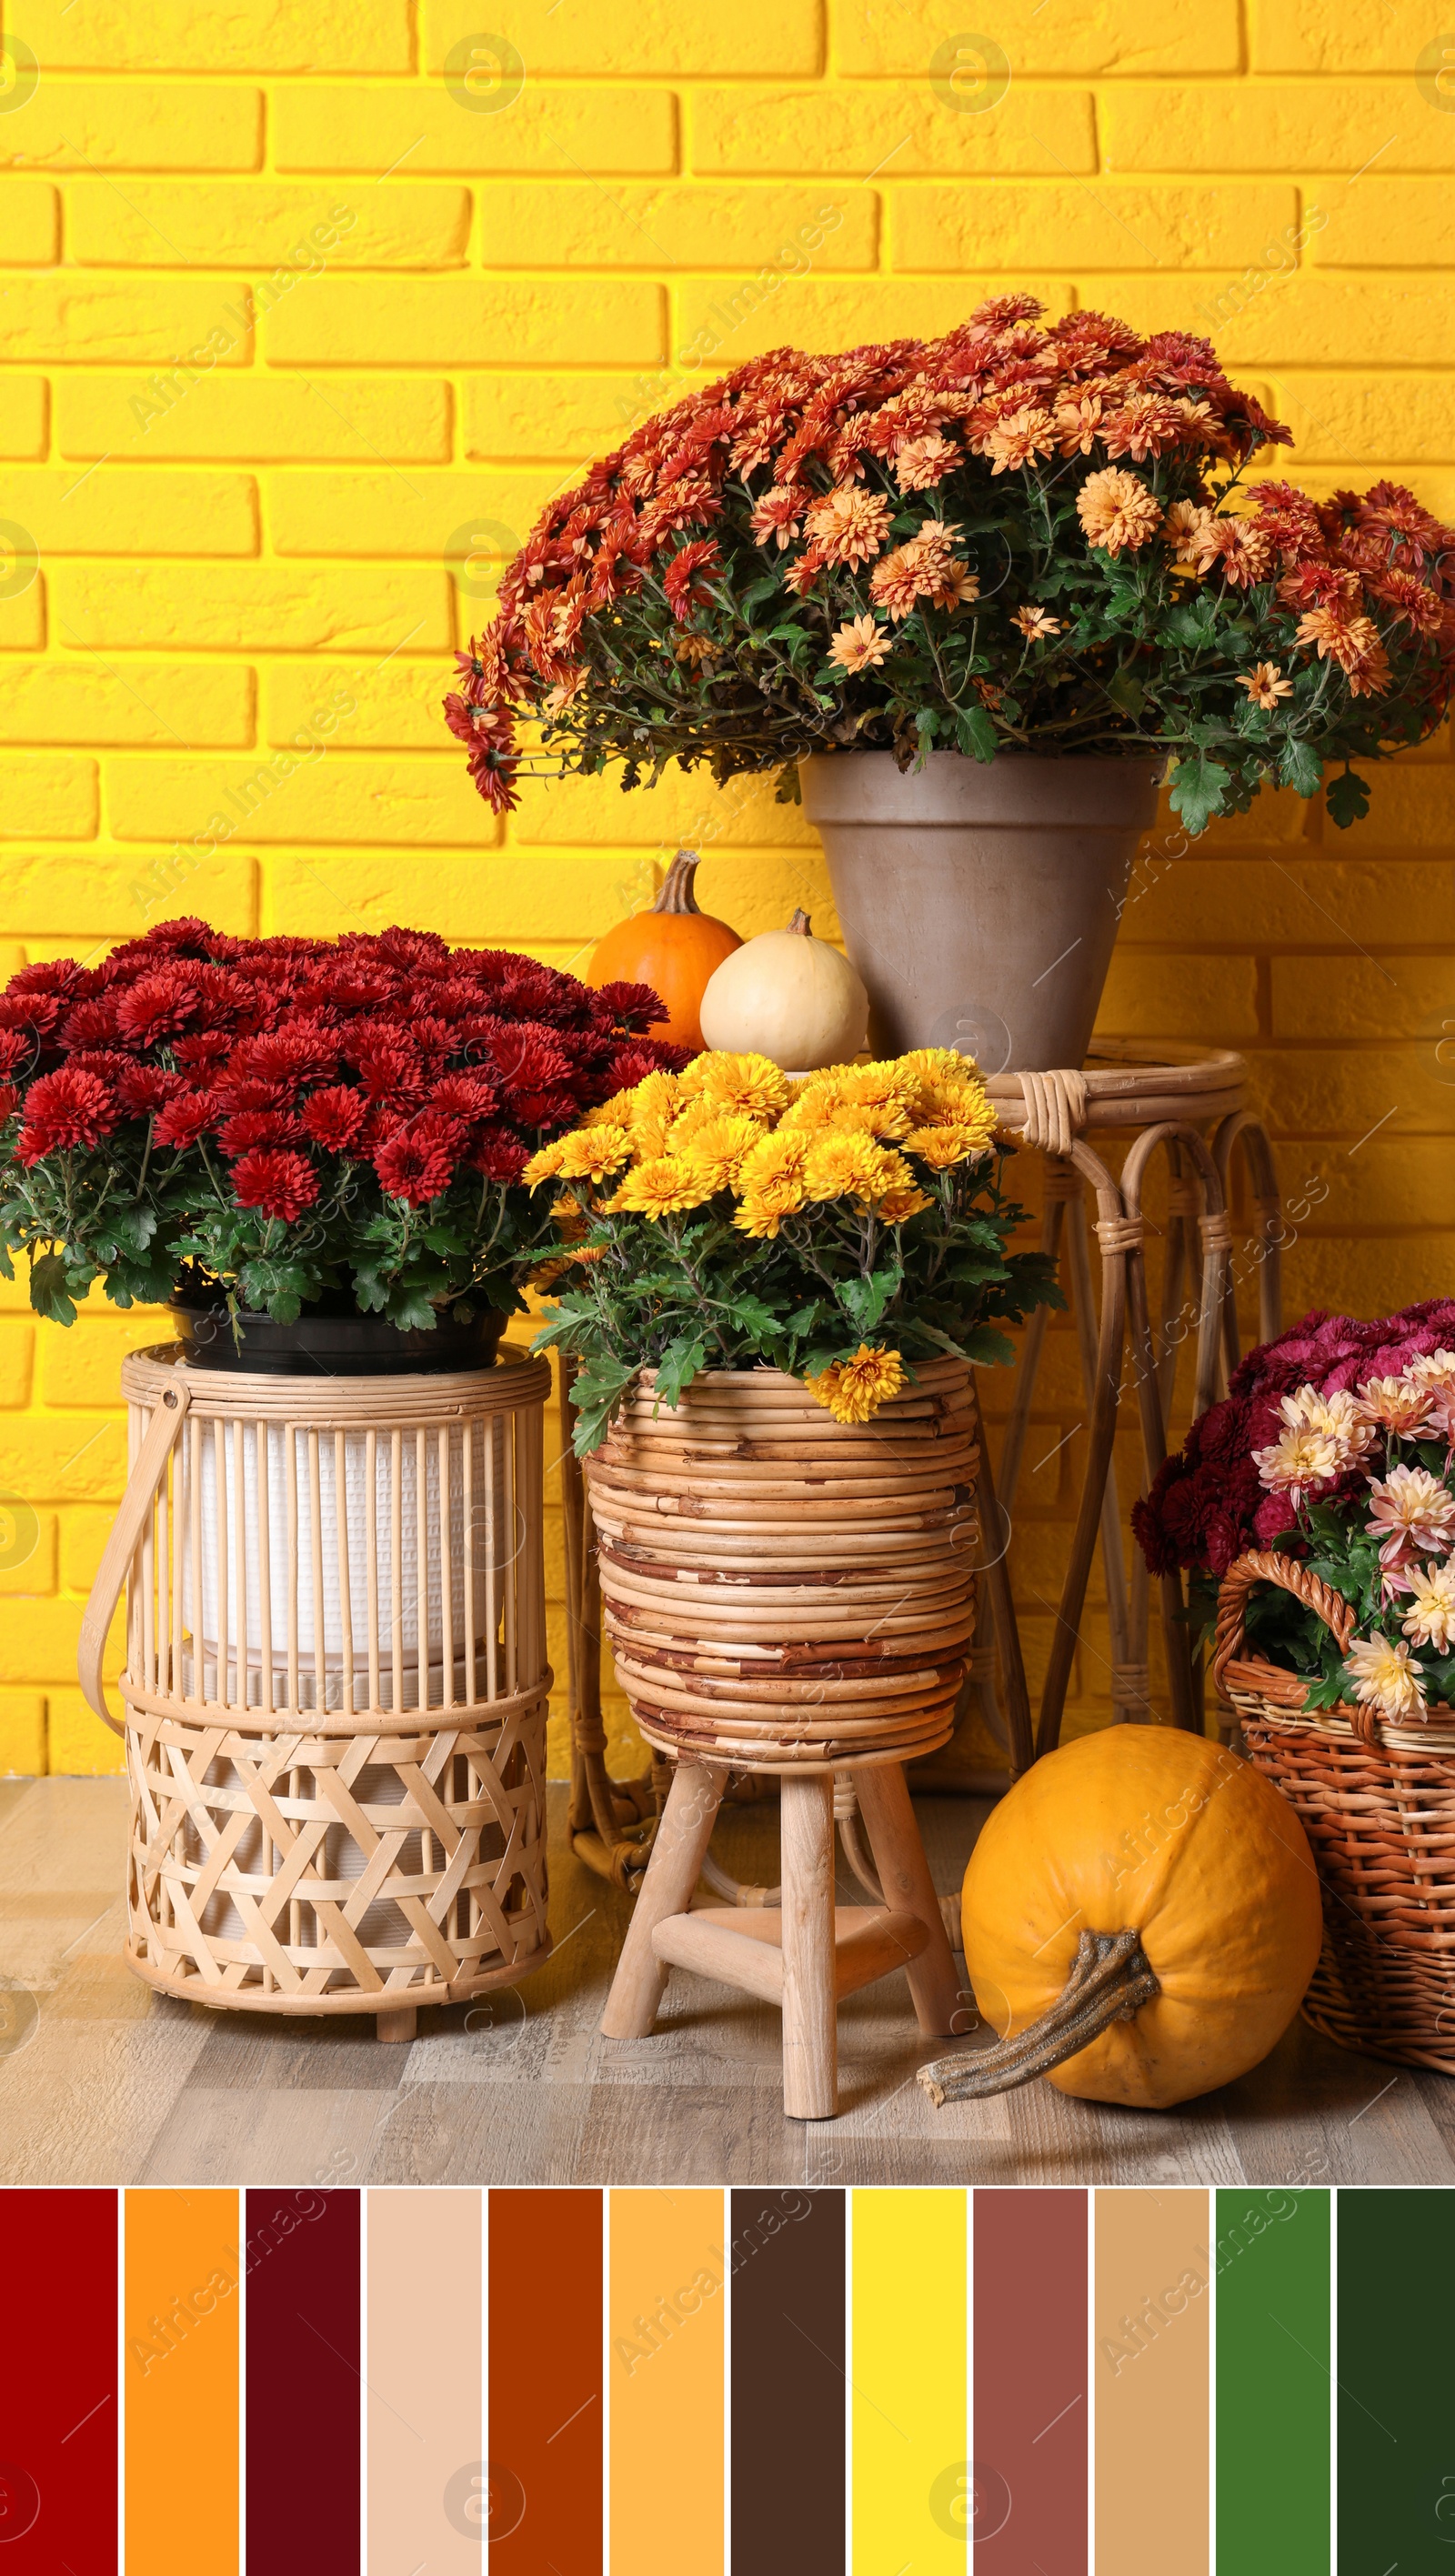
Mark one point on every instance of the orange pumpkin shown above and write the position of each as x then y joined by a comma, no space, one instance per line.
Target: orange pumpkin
1141,1918
673,947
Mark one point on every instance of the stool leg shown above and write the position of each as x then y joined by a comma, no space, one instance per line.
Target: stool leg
672,1873
904,1875
810,2000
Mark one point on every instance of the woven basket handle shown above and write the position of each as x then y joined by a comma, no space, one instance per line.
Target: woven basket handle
1266,1565
126,1530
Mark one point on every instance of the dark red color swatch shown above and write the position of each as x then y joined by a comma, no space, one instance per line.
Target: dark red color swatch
545,2440
58,2409
302,2369
788,2382
1030,2408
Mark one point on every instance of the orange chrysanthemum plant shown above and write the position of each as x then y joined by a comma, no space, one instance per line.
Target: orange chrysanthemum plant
839,1227
1018,537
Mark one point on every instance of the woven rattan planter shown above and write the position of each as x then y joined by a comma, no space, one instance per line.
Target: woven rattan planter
1378,1805
335,1684
783,1590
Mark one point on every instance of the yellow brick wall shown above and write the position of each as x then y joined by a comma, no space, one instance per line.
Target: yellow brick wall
307,305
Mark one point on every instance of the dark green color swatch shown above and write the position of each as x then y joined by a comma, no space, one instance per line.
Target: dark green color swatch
1396,2367
1272,2382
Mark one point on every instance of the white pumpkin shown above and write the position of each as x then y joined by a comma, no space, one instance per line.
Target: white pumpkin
788,996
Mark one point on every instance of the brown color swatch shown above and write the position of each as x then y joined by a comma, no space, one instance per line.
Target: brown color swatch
787,2383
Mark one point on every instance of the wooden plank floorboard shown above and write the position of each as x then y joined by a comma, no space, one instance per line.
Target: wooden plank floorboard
1315,2113
1437,2093
473,2133
117,2084
264,2137
86,2101
690,2134
255,2052
1057,2138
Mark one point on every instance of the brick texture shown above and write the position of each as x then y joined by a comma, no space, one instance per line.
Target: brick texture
309,304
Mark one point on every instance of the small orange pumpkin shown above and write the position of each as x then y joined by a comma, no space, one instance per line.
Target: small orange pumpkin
673,947
1141,1919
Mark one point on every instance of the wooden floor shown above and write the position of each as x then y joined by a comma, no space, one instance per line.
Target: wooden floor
107,2083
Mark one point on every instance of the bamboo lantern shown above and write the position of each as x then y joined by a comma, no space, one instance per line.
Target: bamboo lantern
336,1684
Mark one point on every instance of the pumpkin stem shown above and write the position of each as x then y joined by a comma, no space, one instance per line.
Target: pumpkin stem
801,924
1109,1981
677,894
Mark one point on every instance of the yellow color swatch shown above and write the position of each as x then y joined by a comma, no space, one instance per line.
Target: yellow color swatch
908,2362
180,2379
666,2301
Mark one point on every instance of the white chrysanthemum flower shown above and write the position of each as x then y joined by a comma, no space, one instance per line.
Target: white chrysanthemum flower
1430,1618
1382,1676
1337,1418
1432,1368
1299,1463
1411,1509
1398,1404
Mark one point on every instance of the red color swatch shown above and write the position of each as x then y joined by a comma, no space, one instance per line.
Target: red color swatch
58,2409
303,2383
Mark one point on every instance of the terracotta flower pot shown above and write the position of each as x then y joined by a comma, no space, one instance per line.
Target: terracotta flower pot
980,902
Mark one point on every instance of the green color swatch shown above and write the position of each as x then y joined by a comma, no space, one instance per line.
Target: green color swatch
1272,2380
1396,2366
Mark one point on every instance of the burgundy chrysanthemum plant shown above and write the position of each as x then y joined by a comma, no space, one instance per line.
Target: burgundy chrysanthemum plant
290,1122
1336,1444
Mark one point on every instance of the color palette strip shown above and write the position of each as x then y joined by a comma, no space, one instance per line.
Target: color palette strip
424,2382
512,2382
303,2380
546,2412
181,2333
1396,2379
58,2381
1274,2360
913,2497
666,2327
788,2312
1030,2378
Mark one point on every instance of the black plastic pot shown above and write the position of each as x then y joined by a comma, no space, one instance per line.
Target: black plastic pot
342,1345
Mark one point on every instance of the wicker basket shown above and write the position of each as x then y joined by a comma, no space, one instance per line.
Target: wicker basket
335,1684
782,1590
1378,1804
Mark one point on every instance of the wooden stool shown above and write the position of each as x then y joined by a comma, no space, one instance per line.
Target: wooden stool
806,1955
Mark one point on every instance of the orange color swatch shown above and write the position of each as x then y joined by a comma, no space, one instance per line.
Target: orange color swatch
666,2303
181,2329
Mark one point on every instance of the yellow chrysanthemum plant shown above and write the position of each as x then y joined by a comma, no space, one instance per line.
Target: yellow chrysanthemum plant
840,1227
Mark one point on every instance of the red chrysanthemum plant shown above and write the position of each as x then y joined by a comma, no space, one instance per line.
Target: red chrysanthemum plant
285,1123
1023,536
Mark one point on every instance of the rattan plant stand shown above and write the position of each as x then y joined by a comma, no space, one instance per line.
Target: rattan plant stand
1194,1109
793,1598
1378,1805
335,1687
